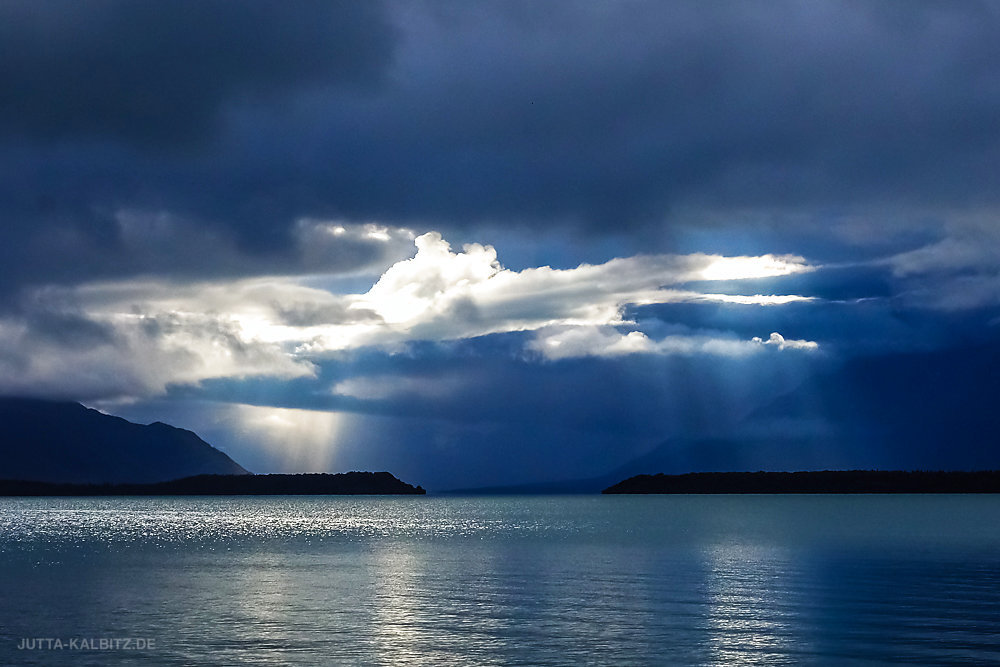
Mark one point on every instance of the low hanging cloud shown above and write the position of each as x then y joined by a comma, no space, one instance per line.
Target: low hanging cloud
960,271
572,342
157,334
136,355
779,341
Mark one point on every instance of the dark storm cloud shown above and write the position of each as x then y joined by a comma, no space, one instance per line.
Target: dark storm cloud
614,114
162,72
601,117
113,106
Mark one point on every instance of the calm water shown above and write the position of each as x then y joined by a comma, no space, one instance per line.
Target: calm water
513,580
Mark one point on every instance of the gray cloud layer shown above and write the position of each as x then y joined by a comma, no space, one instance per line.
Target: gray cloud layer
238,119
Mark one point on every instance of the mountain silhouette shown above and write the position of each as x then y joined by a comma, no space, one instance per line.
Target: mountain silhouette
63,442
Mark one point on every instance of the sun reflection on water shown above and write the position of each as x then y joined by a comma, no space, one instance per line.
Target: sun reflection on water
748,617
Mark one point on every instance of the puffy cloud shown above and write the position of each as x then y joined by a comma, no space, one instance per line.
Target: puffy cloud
586,341
432,282
779,341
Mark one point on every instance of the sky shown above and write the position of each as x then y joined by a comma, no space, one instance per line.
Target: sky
484,243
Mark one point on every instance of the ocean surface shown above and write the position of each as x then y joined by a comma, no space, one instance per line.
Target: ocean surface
603,580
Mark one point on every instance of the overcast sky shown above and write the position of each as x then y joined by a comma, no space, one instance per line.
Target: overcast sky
494,242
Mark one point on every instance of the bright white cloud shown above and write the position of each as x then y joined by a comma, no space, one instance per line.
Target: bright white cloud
571,342
431,282
442,294
741,268
779,341
587,341
753,300
166,333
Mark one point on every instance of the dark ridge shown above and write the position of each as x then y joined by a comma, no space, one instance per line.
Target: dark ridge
825,481
348,483
66,443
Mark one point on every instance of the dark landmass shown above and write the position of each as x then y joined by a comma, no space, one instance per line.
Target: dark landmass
348,483
66,443
826,481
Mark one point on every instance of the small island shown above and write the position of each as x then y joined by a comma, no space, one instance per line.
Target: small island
824,481
349,483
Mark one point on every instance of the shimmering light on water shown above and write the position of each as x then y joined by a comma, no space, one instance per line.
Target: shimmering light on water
514,580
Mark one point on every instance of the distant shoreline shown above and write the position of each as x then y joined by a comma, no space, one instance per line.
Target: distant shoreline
349,483
825,481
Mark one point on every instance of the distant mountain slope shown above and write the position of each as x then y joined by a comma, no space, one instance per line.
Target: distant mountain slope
51,441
